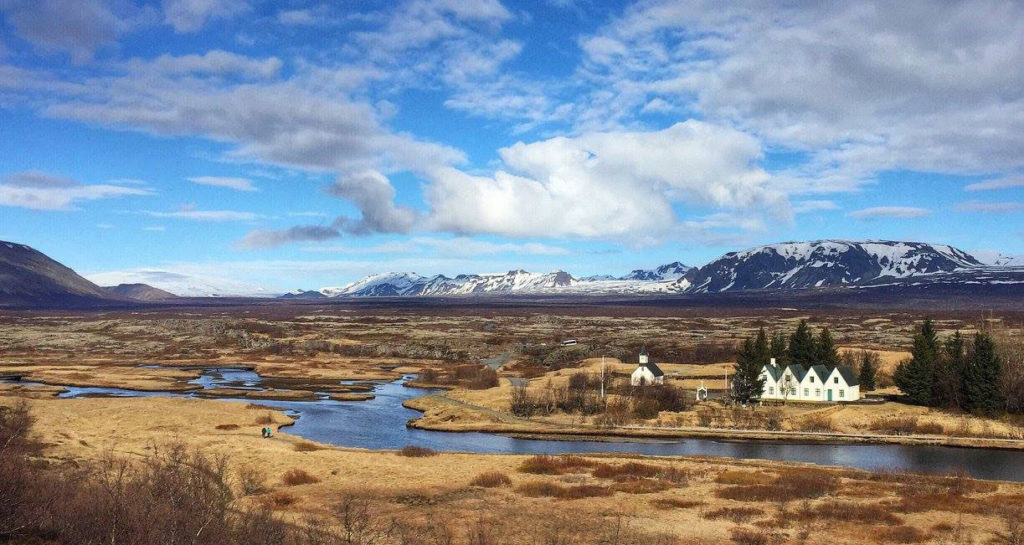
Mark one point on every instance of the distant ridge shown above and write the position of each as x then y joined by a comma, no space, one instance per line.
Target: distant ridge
30,278
140,292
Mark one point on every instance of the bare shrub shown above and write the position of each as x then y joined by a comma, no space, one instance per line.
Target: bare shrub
252,479
491,479
735,514
733,476
676,503
539,489
749,536
895,425
542,464
279,499
227,427
626,470
295,477
850,512
790,485
902,534
817,423
641,486
413,451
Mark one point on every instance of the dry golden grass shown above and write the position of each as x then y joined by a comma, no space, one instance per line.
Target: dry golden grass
93,427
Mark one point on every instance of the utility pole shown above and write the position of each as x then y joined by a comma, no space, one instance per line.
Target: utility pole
602,377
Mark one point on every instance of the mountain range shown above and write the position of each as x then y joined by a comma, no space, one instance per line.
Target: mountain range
29,278
787,265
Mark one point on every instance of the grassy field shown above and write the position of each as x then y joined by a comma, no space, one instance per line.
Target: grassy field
516,499
529,499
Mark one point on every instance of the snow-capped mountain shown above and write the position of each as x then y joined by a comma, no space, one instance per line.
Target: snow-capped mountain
671,271
824,263
788,265
409,284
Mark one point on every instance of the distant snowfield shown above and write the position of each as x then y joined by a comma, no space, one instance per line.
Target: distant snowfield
184,285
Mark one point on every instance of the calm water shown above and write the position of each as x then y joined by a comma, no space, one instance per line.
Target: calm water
380,424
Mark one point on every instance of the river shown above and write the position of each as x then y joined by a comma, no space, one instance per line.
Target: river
380,423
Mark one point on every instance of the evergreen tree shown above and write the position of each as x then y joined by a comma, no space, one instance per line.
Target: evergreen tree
948,390
825,349
916,376
868,370
777,349
802,349
982,374
747,383
762,351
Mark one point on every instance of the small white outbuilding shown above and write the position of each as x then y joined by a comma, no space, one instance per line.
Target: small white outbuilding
646,372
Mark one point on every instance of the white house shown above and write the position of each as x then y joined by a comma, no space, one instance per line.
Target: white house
646,371
817,383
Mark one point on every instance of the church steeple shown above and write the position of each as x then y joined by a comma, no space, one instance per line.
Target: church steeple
643,355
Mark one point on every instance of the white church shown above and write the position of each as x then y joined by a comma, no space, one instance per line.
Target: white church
817,383
647,372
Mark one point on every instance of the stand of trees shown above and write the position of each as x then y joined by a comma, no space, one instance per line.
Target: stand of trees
955,373
802,347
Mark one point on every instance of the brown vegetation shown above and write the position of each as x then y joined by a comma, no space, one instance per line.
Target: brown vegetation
491,479
295,477
414,451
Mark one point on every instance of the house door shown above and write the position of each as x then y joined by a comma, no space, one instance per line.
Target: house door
830,394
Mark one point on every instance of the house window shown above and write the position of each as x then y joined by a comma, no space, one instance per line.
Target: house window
792,391
842,393
817,392
771,390
812,379
836,380
806,393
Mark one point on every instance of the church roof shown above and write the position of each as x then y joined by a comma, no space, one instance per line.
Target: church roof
655,370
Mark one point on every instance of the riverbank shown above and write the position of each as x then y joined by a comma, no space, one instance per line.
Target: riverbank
655,497
455,412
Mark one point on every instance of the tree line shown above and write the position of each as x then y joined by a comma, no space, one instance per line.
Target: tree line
954,373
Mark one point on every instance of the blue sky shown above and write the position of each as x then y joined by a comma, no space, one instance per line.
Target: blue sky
271,145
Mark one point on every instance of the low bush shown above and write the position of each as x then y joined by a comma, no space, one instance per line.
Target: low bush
278,500
676,503
252,479
641,486
491,479
849,512
901,534
789,485
541,489
413,451
295,477
749,536
543,464
626,470
306,446
817,423
227,427
735,514
743,477
895,425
